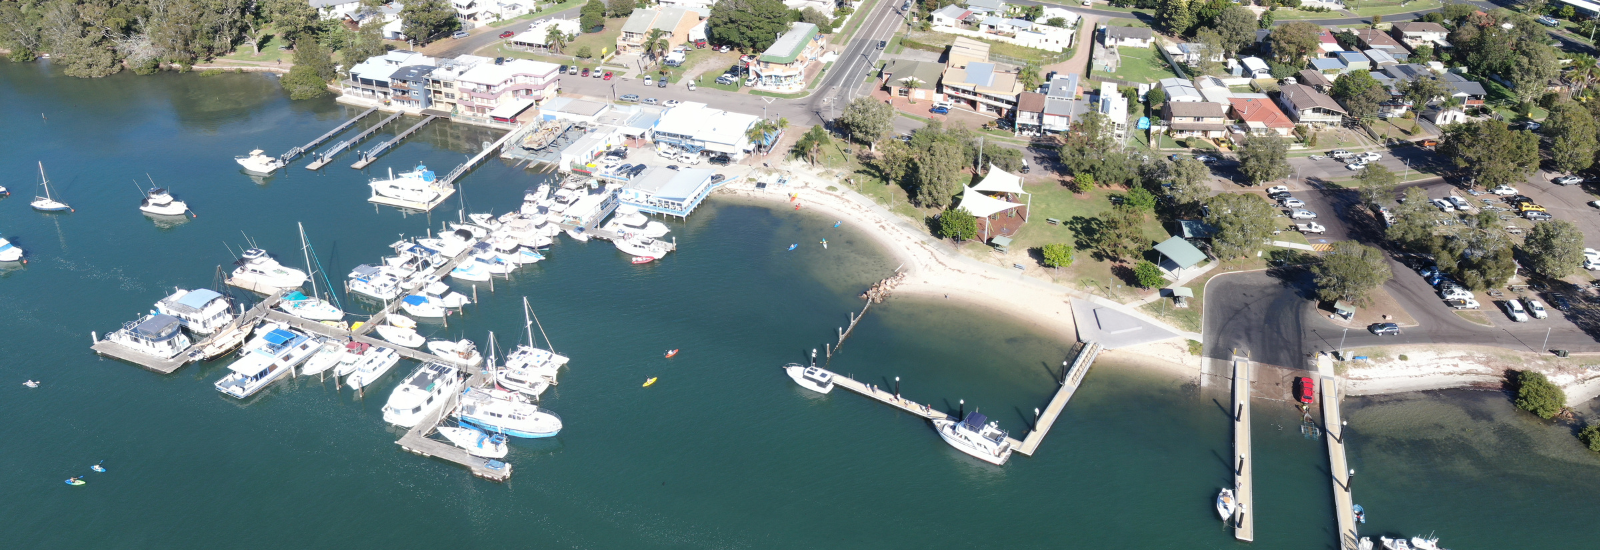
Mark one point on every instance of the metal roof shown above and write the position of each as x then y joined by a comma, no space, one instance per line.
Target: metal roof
980,74
1181,252
788,47
198,298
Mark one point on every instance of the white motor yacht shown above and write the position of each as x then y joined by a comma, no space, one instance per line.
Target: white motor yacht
306,307
160,203
486,221
414,186
9,252
156,335
273,353
451,243
813,378
374,282
355,353
461,353
47,203
441,292
476,442
492,261
578,234
478,232
259,163
421,393
377,363
628,220
259,272
423,306
327,355
202,310
1394,544
525,255
643,247
405,337
470,271
1225,504
1429,542
976,436
507,416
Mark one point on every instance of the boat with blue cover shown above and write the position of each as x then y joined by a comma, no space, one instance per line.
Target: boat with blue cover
417,186
268,357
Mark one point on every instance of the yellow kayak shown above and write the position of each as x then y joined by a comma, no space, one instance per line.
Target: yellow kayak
647,383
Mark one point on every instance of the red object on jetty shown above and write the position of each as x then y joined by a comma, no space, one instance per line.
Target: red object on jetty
1304,389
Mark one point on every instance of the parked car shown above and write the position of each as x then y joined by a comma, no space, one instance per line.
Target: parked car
1291,202
1532,125
1548,21
629,97
1305,389
459,34
507,34
1428,271
1443,205
562,70
1339,153
1460,203
1514,311
719,160
1591,264
1515,199
1279,195
940,110
1504,190
585,72
648,81
651,101
1568,180
1560,301
691,85
1208,159
1302,214
1278,189
672,103
1384,329
1535,308
1462,303
607,76
1316,157
1525,207
1369,157
1312,227
1354,166
1455,293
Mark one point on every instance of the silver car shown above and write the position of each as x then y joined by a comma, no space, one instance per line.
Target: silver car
1302,214
1292,202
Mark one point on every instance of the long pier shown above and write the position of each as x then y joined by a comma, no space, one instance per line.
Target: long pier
450,179
326,157
193,352
371,155
1244,527
1333,426
297,151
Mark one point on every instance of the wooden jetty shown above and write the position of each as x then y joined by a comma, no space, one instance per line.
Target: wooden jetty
416,439
1071,379
378,317
445,185
1333,426
371,155
326,157
194,352
297,151
459,171
1244,527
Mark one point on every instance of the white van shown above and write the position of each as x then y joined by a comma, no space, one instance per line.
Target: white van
944,103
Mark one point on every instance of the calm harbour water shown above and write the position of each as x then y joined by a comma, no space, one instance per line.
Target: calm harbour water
723,452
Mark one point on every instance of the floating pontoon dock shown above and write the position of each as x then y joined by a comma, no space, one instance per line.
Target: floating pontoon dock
371,155
1333,426
416,439
169,366
326,157
1244,527
297,151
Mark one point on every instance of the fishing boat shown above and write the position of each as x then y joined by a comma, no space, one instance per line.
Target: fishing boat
813,378
403,336
268,357
259,163
9,252
159,202
257,271
202,310
156,335
415,186
46,203
374,282
327,355
461,353
475,442
377,363
507,416
628,220
1225,504
422,306
976,436
643,246
1394,544
421,393
311,307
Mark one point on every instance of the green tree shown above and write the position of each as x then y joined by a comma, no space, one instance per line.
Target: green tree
1032,76
1479,259
1175,17
1590,436
1534,70
1155,97
1057,255
1118,235
621,8
1350,271
1360,93
1237,26
1554,248
1189,177
368,43
1376,184
1058,22
1266,21
957,224
1140,199
312,70
1292,42
585,53
1490,152
1243,224
1572,134
867,120
1414,221
751,25
937,171
592,16
894,161
290,18
1148,275
1264,158
1538,395
815,16
1422,90
425,20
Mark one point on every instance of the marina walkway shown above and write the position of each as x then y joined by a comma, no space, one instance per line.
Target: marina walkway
1333,426
342,334
325,157
297,151
416,439
440,272
1244,527
371,155
1073,378
195,352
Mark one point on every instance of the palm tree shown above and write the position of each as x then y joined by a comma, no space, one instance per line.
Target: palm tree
758,132
912,83
558,39
1582,70
650,41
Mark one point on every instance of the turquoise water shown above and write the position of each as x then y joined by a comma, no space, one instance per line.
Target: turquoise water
722,452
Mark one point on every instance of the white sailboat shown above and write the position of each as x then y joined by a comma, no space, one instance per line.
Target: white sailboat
476,442
47,203
530,369
9,252
421,393
259,163
311,307
976,436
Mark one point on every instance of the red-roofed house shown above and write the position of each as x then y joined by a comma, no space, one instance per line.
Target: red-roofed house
1327,43
1261,116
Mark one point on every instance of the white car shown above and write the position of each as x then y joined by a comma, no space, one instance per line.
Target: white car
1355,166
1302,214
1369,157
1568,180
672,103
1591,254
1312,227
1591,264
1316,157
1504,190
1460,203
1454,293
1292,202
1443,205
1535,308
1515,312
1278,189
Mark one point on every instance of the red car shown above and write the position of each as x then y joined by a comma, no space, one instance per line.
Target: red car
586,73
608,75
1304,389
507,34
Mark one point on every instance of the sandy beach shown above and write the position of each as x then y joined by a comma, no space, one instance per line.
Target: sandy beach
1457,366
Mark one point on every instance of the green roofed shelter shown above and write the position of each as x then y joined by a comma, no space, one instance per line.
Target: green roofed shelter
1179,254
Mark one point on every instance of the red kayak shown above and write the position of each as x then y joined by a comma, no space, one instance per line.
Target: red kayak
671,353
642,259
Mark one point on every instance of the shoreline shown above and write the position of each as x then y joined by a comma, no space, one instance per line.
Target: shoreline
1441,367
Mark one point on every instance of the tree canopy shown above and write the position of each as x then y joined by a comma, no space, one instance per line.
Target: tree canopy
1376,183
591,16
750,25
1237,26
1350,272
1264,158
1360,93
1554,248
1572,132
957,224
312,70
1057,255
1292,42
1243,223
1538,395
1414,221
426,20
1491,152
867,119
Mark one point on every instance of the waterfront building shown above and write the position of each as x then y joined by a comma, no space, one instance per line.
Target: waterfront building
373,78
445,79
695,128
782,67
671,192
502,91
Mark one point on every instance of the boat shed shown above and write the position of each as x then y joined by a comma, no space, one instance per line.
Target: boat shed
1177,255
670,192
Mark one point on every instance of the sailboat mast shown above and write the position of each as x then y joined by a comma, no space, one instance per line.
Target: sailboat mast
547,343
305,249
527,321
45,181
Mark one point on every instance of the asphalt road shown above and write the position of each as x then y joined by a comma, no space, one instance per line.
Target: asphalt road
844,79
1256,314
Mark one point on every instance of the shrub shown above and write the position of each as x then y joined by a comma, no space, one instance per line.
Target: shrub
1591,436
1148,274
1536,394
1057,255
958,224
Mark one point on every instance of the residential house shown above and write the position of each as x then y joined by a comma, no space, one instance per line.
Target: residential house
951,16
987,7
1353,61
1052,12
1332,66
1380,58
409,87
1586,8
674,21
493,89
1188,53
1022,33
1061,104
690,4
1203,119
1415,34
1327,43
1254,67
444,82
912,79
1179,90
538,35
1374,39
1030,114
984,87
1126,37
1213,89
782,68
1314,79
1114,106
335,9
371,79
1261,116
1308,105
1470,92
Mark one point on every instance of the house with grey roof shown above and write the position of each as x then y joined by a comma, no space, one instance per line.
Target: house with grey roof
1126,37
1307,105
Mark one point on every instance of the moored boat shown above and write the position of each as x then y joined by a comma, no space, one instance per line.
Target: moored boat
476,442
327,355
257,271
160,203
1225,504
272,354
202,310
377,363
813,378
418,186
259,163
402,336
421,393
507,416
9,252
158,335
47,203
462,352
976,436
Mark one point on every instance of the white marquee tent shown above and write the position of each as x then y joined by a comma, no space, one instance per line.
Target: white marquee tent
998,181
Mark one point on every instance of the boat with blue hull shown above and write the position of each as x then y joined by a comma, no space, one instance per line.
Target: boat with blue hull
516,419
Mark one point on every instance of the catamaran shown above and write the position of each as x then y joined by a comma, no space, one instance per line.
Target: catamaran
421,393
529,363
154,335
259,163
47,203
202,310
976,436
311,307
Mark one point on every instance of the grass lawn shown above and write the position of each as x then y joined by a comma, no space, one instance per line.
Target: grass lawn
1141,65
550,9
605,40
1000,50
1124,22
270,51
1369,9
895,47
1328,140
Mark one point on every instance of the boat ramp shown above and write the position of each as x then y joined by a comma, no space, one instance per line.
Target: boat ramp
195,352
297,151
325,157
371,155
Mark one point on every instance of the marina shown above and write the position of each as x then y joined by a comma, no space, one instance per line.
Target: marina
294,153
325,157
249,318
1244,527
371,155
